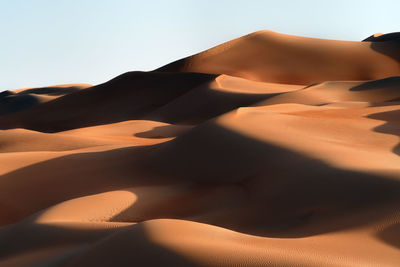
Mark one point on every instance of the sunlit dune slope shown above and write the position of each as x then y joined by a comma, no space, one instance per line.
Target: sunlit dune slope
273,57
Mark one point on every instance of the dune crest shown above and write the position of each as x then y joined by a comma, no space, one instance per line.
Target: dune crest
273,57
267,150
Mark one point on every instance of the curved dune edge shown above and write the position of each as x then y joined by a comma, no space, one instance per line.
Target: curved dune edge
268,150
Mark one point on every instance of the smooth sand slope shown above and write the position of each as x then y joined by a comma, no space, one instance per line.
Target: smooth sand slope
268,150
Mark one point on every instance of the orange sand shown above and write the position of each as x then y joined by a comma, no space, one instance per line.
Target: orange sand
268,150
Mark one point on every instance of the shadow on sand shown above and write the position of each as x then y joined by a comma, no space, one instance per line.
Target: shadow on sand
86,244
130,96
387,44
285,194
391,125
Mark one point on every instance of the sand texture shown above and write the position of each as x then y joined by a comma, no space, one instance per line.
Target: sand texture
267,150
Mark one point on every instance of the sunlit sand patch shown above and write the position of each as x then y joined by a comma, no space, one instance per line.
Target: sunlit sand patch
95,208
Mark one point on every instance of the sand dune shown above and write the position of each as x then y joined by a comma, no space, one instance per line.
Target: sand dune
20,99
268,150
272,57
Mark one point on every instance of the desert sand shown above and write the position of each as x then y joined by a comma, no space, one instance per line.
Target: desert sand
267,150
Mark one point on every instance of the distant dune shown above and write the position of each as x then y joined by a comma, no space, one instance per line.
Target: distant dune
267,150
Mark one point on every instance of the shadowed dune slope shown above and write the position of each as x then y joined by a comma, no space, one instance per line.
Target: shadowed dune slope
129,96
20,99
268,150
167,97
380,37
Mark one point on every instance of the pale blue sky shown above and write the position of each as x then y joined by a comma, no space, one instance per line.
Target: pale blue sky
47,42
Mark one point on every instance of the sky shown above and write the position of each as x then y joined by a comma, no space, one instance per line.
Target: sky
49,42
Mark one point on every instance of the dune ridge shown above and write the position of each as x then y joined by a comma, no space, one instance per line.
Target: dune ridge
267,150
